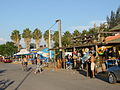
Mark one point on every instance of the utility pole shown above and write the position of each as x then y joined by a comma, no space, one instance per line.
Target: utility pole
59,29
50,43
60,44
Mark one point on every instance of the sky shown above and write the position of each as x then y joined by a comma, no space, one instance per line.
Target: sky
32,14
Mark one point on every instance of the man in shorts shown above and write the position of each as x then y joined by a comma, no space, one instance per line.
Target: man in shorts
92,60
39,65
24,63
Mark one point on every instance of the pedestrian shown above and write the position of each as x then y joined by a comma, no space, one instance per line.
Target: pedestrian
92,60
39,65
24,63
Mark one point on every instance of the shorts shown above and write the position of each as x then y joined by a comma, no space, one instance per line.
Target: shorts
25,63
92,66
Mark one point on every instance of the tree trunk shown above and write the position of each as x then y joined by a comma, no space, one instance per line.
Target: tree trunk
37,43
47,43
18,46
27,43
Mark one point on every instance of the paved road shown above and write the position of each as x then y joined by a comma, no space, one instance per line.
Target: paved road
13,78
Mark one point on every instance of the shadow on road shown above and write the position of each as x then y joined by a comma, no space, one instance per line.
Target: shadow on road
83,72
5,84
2,71
23,79
102,75
29,68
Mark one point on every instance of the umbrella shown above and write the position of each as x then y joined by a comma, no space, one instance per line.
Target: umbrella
23,52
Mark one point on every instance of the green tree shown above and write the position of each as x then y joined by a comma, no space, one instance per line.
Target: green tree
67,39
114,18
76,33
8,49
104,28
27,37
46,37
37,35
56,39
92,31
32,45
2,49
16,37
84,32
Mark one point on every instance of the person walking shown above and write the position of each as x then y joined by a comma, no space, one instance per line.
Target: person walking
24,63
92,60
39,65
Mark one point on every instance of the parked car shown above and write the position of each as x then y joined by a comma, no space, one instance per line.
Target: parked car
1,59
7,60
114,74
110,63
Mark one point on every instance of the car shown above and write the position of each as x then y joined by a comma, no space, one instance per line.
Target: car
7,60
1,59
114,74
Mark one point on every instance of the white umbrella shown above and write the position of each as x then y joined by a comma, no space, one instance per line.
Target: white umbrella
39,52
22,52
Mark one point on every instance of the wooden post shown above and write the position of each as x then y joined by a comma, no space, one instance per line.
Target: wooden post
86,69
74,59
96,48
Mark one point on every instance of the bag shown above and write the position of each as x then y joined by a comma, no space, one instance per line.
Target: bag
74,57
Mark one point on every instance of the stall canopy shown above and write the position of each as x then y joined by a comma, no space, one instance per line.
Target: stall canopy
45,53
23,52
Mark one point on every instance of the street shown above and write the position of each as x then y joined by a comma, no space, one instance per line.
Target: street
13,78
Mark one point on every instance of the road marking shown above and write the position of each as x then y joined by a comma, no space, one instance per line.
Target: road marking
23,80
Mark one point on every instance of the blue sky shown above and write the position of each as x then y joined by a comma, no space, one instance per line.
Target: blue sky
74,14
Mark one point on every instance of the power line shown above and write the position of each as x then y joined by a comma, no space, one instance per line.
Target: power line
51,26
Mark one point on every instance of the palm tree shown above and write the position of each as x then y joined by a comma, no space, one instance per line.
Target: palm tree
46,37
16,37
67,39
37,35
56,39
27,37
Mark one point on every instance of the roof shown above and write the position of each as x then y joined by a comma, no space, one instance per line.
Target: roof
116,28
115,38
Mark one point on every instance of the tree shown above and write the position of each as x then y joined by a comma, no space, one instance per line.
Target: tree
67,39
32,45
114,19
37,35
8,49
75,34
16,37
27,37
46,37
118,16
56,39
2,49
84,32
